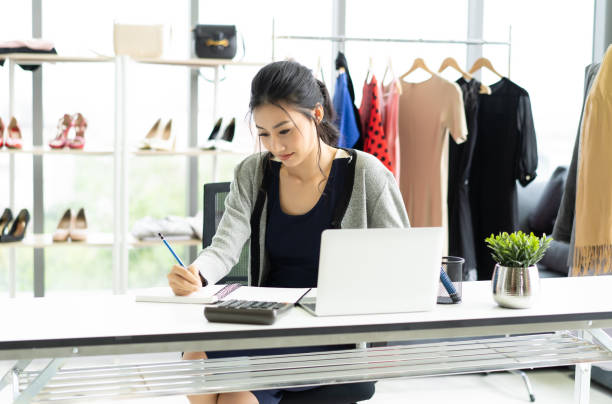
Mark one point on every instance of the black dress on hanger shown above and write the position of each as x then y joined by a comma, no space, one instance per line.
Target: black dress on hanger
460,231
505,151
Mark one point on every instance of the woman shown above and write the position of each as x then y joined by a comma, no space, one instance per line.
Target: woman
283,199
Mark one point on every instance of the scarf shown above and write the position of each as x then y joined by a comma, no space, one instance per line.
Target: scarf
593,247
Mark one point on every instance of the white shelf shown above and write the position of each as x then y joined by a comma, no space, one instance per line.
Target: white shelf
38,58
155,243
46,240
39,150
44,150
93,240
197,62
188,152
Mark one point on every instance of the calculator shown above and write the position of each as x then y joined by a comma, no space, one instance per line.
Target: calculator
246,311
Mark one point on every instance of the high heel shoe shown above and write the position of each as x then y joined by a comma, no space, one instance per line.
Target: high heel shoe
222,142
18,228
1,133
167,140
213,137
78,230
145,144
228,134
216,129
13,135
63,228
80,125
63,127
5,219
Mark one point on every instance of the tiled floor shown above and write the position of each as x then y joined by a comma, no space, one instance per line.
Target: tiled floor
551,386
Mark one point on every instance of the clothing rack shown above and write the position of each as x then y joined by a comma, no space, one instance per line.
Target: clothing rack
344,39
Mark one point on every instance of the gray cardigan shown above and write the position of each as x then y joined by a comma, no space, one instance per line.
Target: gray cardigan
375,202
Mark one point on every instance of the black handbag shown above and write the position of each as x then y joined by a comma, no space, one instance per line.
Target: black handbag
215,41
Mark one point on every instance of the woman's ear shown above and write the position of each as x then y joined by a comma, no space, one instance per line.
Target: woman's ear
319,113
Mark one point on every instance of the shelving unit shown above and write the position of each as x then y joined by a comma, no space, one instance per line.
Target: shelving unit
197,62
192,151
93,240
120,240
37,59
40,150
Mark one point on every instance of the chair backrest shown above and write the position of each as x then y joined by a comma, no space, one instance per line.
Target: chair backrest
214,206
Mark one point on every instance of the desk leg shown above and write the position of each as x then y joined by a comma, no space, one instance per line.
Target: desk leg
26,396
582,383
11,376
582,380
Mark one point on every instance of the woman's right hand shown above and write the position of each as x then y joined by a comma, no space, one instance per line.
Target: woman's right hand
184,281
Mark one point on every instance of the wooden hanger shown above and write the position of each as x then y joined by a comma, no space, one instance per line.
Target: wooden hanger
418,63
484,62
395,80
451,62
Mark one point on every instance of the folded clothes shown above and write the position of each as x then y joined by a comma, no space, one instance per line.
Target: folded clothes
172,227
38,47
32,44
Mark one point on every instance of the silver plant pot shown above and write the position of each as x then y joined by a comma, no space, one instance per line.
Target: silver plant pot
515,288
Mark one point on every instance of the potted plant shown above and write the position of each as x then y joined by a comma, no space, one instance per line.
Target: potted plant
516,282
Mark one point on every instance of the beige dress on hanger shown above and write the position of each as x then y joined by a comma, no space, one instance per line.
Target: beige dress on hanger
428,112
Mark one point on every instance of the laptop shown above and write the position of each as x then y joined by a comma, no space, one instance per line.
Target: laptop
373,271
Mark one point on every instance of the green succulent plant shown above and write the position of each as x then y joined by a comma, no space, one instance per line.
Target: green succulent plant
517,250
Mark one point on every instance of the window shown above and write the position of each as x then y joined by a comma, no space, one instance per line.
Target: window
403,20
551,46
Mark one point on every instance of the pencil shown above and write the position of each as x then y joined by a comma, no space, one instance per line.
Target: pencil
171,250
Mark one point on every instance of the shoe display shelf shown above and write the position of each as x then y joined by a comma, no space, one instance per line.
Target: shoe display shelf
93,240
120,240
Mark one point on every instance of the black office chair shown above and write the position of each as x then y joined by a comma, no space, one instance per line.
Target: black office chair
214,206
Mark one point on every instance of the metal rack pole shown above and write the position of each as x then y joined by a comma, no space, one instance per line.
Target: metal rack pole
215,163
397,40
193,189
273,39
118,171
38,210
509,48
124,181
12,279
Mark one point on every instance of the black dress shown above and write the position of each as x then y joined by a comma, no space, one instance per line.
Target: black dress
460,231
293,243
506,151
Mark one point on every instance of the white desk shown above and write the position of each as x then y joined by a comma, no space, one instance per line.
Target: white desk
61,328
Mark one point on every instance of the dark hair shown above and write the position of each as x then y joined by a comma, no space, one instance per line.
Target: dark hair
294,84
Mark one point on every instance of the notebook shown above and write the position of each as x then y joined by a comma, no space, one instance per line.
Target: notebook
207,295
214,293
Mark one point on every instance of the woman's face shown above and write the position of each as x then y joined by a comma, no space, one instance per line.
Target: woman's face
288,134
